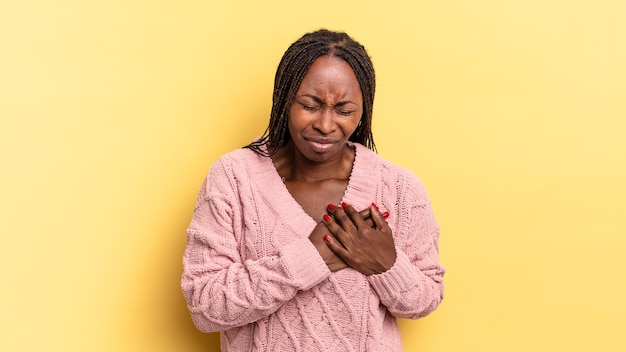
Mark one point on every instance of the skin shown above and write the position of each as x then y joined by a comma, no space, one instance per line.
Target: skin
316,164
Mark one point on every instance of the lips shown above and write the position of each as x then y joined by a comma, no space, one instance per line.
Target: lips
321,145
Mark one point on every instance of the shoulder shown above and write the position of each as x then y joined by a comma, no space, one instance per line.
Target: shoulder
370,159
242,155
396,178
243,167
238,161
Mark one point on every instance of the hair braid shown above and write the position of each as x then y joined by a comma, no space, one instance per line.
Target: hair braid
291,70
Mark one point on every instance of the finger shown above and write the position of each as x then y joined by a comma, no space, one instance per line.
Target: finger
344,221
369,222
367,217
355,217
336,227
385,214
336,246
375,207
331,224
378,217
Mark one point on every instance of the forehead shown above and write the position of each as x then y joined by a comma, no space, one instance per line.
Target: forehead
330,72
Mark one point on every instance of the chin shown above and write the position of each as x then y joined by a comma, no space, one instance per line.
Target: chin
317,156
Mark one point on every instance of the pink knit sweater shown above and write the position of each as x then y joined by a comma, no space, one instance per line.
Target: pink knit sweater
251,272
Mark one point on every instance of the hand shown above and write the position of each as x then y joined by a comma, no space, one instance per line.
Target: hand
370,249
331,259
333,262
367,217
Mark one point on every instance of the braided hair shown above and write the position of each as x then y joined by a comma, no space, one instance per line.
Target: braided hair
294,65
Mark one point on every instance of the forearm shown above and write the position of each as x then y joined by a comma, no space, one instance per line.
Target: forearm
413,287
225,294
408,291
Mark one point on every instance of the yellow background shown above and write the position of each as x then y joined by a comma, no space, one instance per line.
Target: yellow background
512,112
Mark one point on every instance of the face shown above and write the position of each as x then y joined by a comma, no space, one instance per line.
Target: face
326,110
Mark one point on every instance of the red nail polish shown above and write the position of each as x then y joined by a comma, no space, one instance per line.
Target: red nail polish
375,206
326,238
344,205
330,206
386,214
326,217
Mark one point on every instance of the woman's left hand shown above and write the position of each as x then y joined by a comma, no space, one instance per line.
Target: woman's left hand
367,248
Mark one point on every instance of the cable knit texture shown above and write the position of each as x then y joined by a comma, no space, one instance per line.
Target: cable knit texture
251,272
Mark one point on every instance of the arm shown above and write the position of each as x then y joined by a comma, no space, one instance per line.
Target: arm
221,289
405,271
413,286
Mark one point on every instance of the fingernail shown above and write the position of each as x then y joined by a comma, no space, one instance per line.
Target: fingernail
344,205
326,238
386,214
375,206
330,206
326,217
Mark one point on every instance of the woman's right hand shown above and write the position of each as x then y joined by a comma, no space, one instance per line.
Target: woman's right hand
333,262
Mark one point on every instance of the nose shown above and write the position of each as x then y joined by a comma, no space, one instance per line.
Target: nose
324,122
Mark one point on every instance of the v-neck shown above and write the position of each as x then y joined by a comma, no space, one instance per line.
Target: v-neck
285,206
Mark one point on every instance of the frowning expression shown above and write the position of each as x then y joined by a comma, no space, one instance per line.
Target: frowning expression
326,110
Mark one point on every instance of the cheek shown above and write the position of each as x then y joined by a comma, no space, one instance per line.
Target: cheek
299,119
356,123
294,124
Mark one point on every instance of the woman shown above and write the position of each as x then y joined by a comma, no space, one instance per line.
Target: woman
306,240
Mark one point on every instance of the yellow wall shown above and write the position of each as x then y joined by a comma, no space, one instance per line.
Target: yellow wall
512,112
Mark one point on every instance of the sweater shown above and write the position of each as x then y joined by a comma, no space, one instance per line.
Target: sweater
251,273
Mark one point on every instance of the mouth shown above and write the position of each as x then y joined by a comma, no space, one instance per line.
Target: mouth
321,145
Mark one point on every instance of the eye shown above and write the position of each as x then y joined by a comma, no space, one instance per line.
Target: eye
308,107
345,112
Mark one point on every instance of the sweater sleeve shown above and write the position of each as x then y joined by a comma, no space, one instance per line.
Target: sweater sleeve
413,287
223,290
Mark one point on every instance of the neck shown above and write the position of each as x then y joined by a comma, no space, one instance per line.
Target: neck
292,165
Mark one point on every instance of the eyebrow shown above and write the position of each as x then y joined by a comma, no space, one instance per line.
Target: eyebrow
321,102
